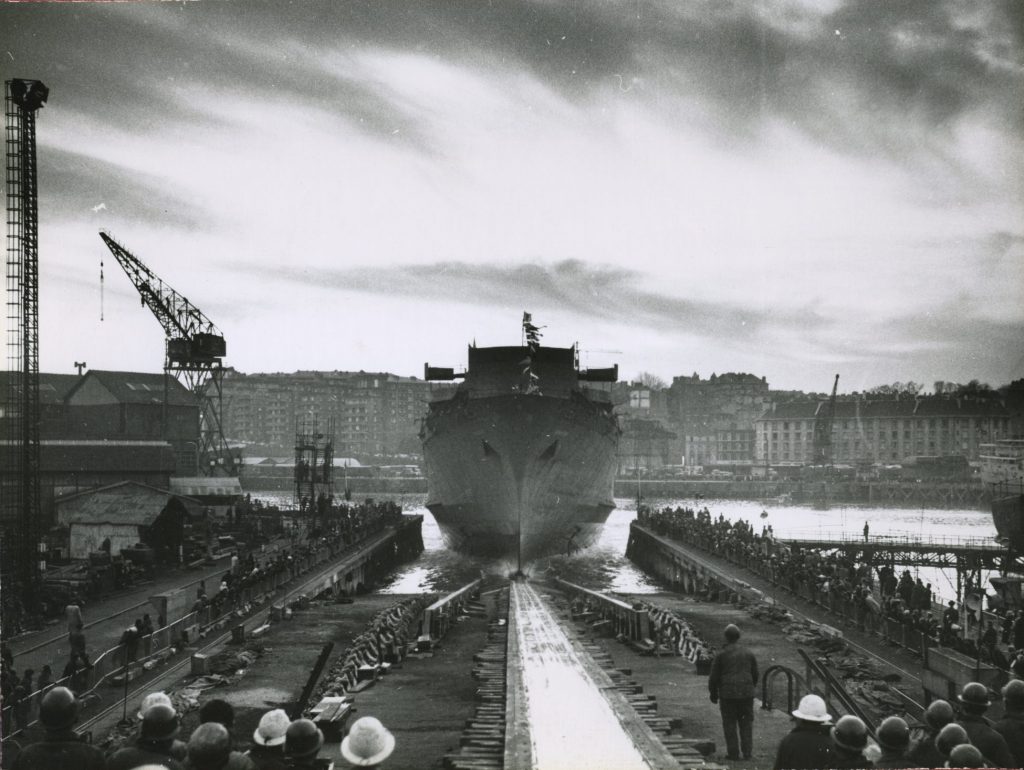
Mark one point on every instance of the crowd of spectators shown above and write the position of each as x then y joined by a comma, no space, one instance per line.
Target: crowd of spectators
278,743
868,595
348,525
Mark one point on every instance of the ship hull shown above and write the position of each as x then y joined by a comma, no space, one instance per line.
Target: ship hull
1008,517
520,476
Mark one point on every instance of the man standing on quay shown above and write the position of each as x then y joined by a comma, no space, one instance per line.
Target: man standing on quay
732,684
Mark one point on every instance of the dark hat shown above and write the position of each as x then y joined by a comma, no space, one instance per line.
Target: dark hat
303,739
160,723
217,710
974,694
850,733
59,709
938,714
950,736
966,755
893,734
209,745
1013,694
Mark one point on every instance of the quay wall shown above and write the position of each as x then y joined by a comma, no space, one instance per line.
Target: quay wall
881,493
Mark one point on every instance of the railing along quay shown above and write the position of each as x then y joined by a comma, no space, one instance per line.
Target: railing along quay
945,668
164,643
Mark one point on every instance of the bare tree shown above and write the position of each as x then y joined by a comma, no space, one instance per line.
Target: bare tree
652,381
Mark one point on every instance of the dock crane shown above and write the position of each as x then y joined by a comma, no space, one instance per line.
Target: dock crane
194,355
824,416
20,496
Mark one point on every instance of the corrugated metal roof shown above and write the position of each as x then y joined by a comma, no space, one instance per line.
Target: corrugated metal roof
53,388
207,486
141,387
128,502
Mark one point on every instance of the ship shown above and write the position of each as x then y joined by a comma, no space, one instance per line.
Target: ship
1002,471
520,451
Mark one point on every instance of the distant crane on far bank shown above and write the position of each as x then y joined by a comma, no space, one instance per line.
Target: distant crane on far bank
824,416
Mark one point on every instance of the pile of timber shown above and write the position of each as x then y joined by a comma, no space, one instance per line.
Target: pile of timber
482,744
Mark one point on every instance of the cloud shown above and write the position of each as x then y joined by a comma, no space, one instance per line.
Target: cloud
589,290
72,182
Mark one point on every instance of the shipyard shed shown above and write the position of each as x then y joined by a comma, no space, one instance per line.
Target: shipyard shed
128,513
218,494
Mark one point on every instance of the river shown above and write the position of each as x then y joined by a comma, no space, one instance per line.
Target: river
605,567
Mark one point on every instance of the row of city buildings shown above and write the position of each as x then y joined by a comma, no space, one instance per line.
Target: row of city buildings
103,425
731,420
735,421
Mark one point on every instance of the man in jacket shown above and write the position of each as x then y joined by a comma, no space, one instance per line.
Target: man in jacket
155,743
732,684
1011,726
61,748
923,752
974,703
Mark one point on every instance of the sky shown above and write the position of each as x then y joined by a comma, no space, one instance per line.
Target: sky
788,188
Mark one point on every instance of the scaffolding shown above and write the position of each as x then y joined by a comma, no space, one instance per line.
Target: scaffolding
314,465
21,489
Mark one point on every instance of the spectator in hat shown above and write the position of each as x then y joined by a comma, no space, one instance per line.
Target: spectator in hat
974,703
130,641
61,748
155,743
1017,632
209,747
302,743
808,745
893,737
178,749
849,739
949,737
966,755
44,682
733,681
21,700
223,713
923,752
267,751
368,743
1011,726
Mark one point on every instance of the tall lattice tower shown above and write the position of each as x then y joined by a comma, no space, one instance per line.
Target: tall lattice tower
21,494
314,465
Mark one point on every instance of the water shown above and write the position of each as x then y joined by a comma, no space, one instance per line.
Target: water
604,566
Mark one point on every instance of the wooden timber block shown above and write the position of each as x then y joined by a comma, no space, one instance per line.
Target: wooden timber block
200,664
